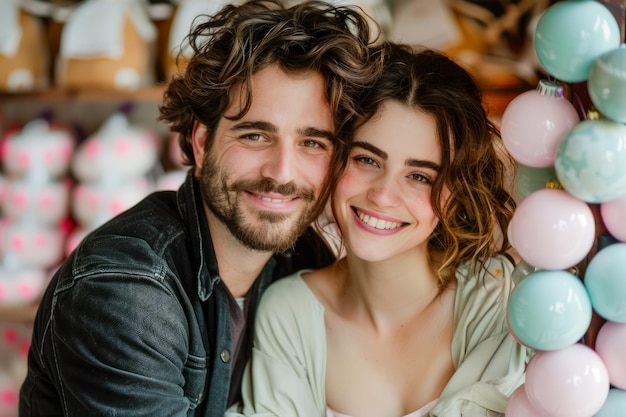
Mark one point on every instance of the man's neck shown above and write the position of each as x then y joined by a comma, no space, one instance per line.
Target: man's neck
238,265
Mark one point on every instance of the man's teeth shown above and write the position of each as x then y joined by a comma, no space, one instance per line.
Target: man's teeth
274,200
377,223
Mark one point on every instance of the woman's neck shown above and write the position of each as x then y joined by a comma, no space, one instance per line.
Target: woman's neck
390,293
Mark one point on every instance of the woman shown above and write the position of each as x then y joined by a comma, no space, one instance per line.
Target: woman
412,321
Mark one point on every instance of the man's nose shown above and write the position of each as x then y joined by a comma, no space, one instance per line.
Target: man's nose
280,164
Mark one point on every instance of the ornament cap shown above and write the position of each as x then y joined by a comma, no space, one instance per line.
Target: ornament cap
550,88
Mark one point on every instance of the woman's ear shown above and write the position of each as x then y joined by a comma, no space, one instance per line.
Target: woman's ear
199,136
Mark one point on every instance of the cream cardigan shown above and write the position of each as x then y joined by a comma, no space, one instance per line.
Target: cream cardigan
286,375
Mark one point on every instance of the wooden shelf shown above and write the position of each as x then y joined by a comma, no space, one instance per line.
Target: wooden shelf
154,92
18,313
84,110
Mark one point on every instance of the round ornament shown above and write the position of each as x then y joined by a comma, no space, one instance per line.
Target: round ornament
607,84
610,344
551,229
590,161
530,179
535,121
571,34
613,213
549,310
570,382
605,280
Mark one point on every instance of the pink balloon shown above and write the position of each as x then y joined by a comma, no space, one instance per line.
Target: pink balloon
570,382
611,347
551,229
613,213
520,406
534,123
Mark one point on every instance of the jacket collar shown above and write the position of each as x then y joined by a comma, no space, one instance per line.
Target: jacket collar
203,255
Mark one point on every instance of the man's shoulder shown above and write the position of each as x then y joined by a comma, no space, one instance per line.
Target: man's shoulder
137,239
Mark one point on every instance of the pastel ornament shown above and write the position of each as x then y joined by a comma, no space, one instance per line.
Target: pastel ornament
530,179
569,382
47,203
39,151
611,346
519,405
93,204
549,310
551,229
614,405
605,280
613,214
571,34
21,286
607,84
535,121
170,180
9,394
116,152
521,271
30,244
590,161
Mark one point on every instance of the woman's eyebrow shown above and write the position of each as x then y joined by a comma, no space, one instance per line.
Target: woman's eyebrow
418,163
373,149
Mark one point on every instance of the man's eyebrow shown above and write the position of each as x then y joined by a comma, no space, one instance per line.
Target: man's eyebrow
317,133
250,125
418,163
269,127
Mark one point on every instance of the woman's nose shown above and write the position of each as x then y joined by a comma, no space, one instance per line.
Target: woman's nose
384,192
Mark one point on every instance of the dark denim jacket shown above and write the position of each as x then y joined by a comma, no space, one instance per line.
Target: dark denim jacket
136,322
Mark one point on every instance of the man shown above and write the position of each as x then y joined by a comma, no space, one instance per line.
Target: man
147,317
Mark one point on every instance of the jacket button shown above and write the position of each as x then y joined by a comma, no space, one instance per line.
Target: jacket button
225,356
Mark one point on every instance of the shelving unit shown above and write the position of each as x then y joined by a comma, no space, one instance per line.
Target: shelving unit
84,109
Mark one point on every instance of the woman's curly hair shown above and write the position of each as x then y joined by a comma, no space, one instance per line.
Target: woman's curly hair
474,219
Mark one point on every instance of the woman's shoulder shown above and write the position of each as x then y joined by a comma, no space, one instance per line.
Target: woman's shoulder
288,308
482,295
288,290
495,274
290,293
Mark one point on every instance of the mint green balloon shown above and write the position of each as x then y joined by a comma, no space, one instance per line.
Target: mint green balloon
549,310
607,84
614,405
531,179
571,34
605,280
590,161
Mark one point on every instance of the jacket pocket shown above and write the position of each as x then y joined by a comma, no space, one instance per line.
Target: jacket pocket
195,374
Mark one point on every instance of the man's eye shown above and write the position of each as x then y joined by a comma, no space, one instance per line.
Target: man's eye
256,137
420,178
310,143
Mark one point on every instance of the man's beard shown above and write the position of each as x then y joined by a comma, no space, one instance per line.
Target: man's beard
265,231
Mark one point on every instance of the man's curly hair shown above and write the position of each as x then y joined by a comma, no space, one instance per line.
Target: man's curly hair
239,41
